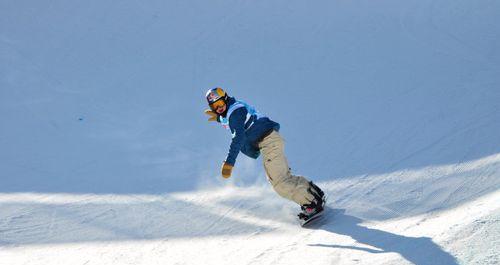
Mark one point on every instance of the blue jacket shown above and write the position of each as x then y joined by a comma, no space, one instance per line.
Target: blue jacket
247,126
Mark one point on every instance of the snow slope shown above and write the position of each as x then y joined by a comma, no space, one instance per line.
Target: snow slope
391,106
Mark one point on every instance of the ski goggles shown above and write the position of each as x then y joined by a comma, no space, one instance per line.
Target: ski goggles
217,104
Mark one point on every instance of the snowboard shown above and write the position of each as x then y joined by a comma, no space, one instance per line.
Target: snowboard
313,219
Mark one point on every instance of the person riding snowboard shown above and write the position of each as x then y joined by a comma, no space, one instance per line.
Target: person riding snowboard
253,134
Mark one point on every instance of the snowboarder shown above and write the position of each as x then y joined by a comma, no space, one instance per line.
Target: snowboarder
253,134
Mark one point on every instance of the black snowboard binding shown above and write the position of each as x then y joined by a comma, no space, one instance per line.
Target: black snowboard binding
315,208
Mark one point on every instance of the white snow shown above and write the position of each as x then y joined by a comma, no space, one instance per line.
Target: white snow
393,107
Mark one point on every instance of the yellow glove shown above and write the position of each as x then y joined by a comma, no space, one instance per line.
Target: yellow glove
212,114
226,170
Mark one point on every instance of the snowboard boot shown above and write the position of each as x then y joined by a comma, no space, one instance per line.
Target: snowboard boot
315,191
315,206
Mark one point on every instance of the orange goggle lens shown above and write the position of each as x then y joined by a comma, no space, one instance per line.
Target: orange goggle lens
216,104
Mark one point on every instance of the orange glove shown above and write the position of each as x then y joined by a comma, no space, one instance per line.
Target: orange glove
226,170
212,114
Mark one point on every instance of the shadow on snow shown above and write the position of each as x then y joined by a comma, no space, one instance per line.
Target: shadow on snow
417,250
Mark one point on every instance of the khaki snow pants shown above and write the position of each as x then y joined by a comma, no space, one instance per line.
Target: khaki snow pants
278,173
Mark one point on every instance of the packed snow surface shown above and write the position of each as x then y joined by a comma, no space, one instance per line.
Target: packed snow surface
392,107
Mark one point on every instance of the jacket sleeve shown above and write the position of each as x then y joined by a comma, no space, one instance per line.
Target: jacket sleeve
237,126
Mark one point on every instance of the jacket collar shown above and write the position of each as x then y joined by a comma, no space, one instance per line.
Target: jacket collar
230,101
